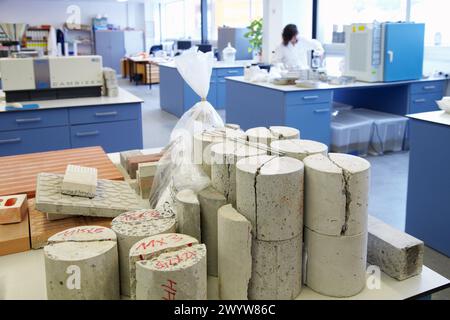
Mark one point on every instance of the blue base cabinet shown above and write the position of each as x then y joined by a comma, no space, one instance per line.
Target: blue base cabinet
113,127
428,210
177,97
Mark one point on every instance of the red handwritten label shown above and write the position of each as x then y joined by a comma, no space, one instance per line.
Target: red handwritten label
175,260
93,230
169,290
140,215
151,244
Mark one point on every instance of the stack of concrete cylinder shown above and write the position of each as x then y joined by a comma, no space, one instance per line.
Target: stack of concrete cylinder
336,203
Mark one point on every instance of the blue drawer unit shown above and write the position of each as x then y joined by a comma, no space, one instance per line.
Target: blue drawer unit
21,120
177,99
427,87
34,140
108,113
313,121
113,136
230,72
309,97
424,102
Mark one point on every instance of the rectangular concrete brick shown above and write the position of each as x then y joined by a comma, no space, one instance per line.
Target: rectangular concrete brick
80,181
144,185
147,169
133,162
124,156
112,198
396,253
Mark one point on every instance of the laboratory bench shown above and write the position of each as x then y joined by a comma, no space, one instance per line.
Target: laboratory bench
252,104
177,97
428,209
114,123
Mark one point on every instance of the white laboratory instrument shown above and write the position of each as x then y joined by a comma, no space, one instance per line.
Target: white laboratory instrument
51,77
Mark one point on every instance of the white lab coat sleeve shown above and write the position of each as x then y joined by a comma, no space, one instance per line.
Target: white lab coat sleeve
311,44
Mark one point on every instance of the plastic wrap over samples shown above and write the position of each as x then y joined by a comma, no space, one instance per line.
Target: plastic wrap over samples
179,168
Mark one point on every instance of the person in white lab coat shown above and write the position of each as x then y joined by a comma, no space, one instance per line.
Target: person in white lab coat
293,52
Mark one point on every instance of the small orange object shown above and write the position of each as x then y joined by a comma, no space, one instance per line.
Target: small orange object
13,209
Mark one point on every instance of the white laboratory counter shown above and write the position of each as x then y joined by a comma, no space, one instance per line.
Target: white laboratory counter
217,64
124,97
438,117
326,86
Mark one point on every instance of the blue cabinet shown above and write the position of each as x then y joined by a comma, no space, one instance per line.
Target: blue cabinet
423,96
112,136
34,140
113,127
177,97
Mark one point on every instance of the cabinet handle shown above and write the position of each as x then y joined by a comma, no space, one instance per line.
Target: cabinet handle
322,111
310,97
429,87
233,72
9,141
30,120
87,134
222,81
420,100
106,114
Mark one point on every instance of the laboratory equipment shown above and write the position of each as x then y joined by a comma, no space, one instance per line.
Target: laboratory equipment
28,79
229,53
385,52
184,45
235,36
444,104
14,33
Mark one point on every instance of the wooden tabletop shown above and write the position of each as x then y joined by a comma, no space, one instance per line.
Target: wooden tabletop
18,173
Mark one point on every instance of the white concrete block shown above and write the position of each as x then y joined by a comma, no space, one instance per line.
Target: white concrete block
299,149
277,270
82,264
132,227
398,254
337,194
210,202
147,169
270,196
187,208
223,170
175,275
285,133
79,181
204,141
235,256
151,247
335,265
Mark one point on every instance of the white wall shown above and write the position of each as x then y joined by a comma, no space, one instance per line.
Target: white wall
277,14
37,12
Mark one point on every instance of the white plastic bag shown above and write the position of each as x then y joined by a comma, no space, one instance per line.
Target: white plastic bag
177,169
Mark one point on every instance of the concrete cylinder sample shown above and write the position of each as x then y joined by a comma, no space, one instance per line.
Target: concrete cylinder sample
270,196
277,270
223,170
285,133
133,226
335,265
204,141
299,149
82,264
210,202
151,247
260,135
187,207
337,192
174,275
235,256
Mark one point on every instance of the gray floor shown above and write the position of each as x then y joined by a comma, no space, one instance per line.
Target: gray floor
388,185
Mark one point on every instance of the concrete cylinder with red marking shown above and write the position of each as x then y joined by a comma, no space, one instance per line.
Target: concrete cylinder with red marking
82,264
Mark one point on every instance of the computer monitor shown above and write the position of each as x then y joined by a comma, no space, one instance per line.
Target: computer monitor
184,45
205,48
